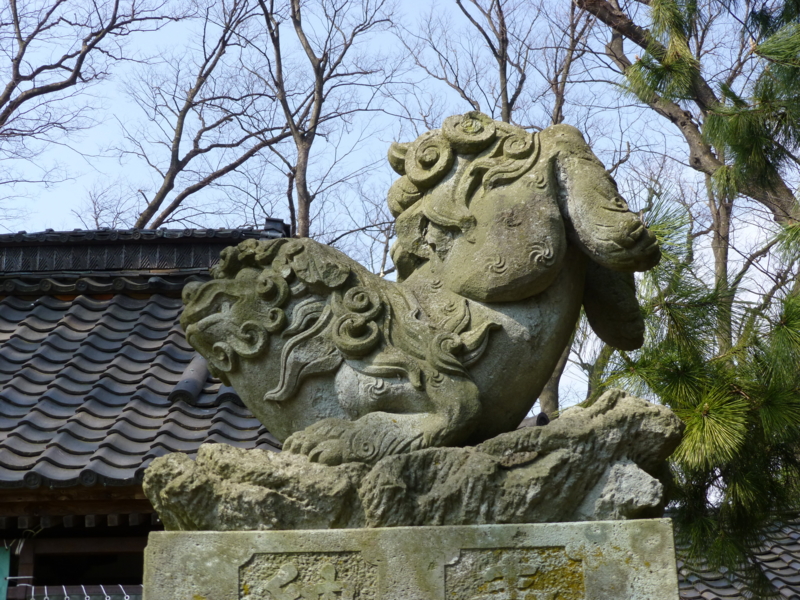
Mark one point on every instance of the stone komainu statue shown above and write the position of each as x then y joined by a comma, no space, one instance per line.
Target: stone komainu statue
502,235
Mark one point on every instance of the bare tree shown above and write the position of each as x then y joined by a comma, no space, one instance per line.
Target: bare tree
108,205
367,228
324,76
487,63
566,43
239,113
509,57
53,51
204,118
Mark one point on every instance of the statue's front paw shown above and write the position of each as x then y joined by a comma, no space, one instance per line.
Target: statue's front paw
325,442
336,441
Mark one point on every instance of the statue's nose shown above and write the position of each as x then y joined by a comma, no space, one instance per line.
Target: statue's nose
190,291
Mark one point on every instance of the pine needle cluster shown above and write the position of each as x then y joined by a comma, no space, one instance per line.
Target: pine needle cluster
759,129
668,67
739,462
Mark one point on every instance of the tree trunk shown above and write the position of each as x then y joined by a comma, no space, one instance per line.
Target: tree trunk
304,197
548,399
721,209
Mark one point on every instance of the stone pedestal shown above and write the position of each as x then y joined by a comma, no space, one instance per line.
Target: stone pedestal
602,560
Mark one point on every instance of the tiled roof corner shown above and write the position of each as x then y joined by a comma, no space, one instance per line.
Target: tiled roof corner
96,377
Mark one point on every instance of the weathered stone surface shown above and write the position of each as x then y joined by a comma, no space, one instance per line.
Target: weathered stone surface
227,488
502,235
596,463
619,560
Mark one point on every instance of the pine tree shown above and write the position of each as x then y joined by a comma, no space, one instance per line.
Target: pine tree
738,465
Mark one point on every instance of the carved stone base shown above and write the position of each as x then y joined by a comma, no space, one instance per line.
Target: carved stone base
601,560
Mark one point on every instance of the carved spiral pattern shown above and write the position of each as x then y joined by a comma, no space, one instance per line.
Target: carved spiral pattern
497,265
250,340
376,387
451,307
469,133
362,300
355,331
435,379
276,320
354,335
223,357
519,145
448,342
364,448
541,254
429,160
441,353
272,288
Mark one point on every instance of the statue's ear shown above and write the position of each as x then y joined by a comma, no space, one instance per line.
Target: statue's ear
602,225
313,263
397,157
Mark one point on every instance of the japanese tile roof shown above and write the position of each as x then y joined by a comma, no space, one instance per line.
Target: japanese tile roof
96,378
778,558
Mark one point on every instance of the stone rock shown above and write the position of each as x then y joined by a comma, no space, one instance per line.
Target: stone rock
227,488
596,463
502,234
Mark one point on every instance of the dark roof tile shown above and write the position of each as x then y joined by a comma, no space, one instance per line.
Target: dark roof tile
237,421
20,349
121,444
66,442
139,418
11,399
179,431
23,447
87,427
66,460
15,462
166,444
